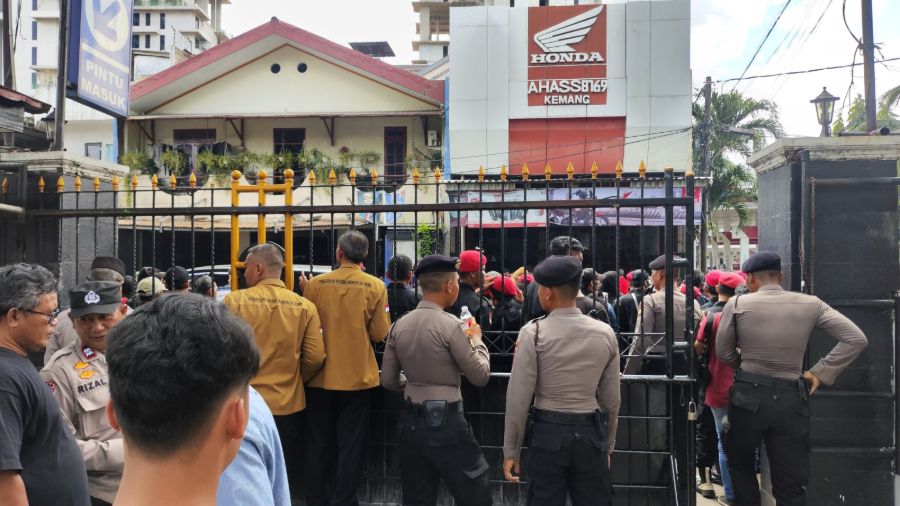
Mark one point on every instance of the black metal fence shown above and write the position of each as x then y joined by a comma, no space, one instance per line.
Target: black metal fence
64,221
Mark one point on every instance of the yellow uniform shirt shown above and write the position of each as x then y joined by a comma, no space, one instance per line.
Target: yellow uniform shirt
354,310
289,337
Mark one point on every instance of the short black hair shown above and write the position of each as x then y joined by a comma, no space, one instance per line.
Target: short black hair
355,246
560,245
128,286
588,276
726,291
569,290
609,283
171,364
398,267
23,285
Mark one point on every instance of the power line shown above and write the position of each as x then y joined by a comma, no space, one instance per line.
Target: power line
784,8
803,71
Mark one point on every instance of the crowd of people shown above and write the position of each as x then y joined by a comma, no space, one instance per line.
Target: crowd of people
166,396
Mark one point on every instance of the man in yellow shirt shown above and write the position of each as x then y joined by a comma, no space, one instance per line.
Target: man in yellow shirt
355,313
289,336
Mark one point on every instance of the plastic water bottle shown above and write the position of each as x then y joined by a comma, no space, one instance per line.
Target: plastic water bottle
465,315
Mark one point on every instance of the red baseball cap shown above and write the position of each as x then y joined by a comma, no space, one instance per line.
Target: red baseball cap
630,276
527,278
469,261
731,280
712,279
503,285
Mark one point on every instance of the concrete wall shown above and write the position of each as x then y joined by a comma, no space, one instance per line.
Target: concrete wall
79,133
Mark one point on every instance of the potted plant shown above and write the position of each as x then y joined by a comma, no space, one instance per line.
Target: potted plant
174,161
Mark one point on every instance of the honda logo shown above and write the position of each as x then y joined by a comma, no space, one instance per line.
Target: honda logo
556,42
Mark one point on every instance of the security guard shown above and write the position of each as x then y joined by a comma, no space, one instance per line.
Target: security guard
471,274
432,347
769,400
569,362
77,376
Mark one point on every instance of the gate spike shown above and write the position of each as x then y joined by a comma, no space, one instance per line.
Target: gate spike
503,173
437,175
261,177
41,184
481,174
594,171
77,183
525,172
172,182
331,177
374,176
193,180
96,184
547,172
115,183
642,170
59,185
153,182
352,177
5,185
134,182
312,178
570,171
415,175
619,169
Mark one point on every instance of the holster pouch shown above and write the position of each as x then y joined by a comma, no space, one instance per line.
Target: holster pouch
435,413
601,422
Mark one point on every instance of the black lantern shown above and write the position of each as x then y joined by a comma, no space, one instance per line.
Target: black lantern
825,111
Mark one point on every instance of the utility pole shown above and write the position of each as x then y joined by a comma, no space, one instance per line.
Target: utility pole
869,64
9,64
60,111
705,171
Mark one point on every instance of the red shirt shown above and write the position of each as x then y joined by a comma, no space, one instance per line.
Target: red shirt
722,374
623,286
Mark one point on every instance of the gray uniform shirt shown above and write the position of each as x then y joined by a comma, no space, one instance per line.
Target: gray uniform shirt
426,350
653,310
772,328
573,368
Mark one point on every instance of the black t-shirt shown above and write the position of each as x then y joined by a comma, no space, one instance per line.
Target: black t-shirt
35,440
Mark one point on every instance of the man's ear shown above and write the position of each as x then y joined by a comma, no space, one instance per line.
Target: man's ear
111,416
237,416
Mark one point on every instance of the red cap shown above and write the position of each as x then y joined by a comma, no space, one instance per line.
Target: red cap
469,261
527,278
712,279
731,280
743,275
630,276
696,291
503,285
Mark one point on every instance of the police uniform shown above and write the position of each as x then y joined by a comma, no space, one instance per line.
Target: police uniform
431,347
769,400
569,363
78,377
479,306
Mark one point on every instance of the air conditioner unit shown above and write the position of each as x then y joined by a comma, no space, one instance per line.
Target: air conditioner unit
433,139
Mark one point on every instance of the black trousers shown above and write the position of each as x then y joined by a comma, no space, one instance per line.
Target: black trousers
290,431
337,423
449,453
706,447
780,417
568,458
99,502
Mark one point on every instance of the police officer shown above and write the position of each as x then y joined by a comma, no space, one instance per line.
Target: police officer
77,376
401,299
431,347
769,400
569,362
471,275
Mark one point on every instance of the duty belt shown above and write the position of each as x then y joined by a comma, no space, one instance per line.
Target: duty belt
541,415
769,381
453,408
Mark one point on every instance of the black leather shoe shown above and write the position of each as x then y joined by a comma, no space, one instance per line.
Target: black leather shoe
715,477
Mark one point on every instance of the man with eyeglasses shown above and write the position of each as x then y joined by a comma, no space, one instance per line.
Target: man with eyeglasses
78,378
40,464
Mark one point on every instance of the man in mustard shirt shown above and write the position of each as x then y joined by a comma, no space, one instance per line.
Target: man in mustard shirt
355,313
289,337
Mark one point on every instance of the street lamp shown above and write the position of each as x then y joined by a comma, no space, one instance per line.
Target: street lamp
825,111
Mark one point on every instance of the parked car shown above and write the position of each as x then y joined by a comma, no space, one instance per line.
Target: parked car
221,274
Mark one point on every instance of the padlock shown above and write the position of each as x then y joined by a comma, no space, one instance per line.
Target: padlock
692,412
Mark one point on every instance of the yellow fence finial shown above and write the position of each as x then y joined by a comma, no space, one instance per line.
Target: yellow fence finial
331,177
115,183
288,174
312,178
525,172
5,185
96,184
669,169
172,182
41,184
59,184
570,171
547,172
235,177
594,171
437,175
261,177
503,173
77,183
415,175
352,177
481,174
689,173
193,180
642,170
374,176
153,182
134,182
619,170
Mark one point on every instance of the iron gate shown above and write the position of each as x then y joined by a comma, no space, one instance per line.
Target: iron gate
52,220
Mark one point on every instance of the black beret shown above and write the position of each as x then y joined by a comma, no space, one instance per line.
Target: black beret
660,262
111,263
436,263
762,261
95,297
558,270
639,276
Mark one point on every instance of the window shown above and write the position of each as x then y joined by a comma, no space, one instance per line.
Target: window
34,30
196,43
34,56
93,149
542,3
192,143
196,22
162,42
147,41
290,140
135,41
162,20
395,154
34,5
136,19
446,50
147,19
33,80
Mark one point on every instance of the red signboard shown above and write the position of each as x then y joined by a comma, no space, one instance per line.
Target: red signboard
567,55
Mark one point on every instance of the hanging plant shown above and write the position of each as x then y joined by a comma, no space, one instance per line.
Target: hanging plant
426,235
174,161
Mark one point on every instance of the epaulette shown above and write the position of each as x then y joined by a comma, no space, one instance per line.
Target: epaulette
539,318
59,353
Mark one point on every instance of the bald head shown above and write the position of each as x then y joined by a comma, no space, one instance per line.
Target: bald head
264,261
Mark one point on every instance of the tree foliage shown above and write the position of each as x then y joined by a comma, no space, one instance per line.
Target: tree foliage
856,113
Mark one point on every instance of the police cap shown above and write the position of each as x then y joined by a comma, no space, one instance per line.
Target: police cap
436,263
95,297
660,262
762,261
111,263
558,270
638,276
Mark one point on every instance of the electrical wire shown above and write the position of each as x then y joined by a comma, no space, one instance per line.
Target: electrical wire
784,8
834,67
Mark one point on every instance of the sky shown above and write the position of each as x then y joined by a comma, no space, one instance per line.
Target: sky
724,36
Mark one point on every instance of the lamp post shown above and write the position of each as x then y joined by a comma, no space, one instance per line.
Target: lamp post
825,111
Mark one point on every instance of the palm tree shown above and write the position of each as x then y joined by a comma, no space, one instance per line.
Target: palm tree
884,116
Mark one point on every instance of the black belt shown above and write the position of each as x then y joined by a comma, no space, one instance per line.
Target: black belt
542,415
453,408
769,381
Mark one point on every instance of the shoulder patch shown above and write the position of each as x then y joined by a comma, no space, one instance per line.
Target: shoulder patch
86,375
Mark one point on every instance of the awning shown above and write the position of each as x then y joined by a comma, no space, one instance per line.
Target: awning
430,112
223,223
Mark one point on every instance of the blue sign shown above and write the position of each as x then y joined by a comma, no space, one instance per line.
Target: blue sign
99,56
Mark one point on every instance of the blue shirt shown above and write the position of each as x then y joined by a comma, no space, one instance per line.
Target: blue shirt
257,476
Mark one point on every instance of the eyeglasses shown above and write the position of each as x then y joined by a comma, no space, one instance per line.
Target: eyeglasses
50,316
